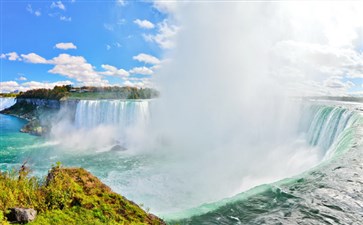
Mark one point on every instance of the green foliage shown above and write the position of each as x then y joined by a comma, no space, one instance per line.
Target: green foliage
8,95
56,93
67,91
68,196
113,93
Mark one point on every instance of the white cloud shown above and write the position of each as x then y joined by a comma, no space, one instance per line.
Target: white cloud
8,86
134,84
144,24
11,86
118,45
113,71
22,78
333,86
64,18
336,83
2,56
121,2
165,35
58,5
29,8
65,46
317,60
13,56
108,47
141,70
168,7
76,67
47,85
142,57
33,58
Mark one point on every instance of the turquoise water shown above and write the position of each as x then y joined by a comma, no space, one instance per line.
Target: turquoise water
13,144
144,176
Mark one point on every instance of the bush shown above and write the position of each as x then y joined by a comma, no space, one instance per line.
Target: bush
68,196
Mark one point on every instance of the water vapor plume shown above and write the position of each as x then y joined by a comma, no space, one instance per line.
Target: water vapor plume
227,120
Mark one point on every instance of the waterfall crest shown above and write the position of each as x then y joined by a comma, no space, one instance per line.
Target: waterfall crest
6,103
120,113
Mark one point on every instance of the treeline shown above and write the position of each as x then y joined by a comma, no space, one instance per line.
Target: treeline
112,92
337,98
56,93
8,95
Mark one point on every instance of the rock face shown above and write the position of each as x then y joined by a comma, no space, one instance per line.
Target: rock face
50,103
21,215
118,148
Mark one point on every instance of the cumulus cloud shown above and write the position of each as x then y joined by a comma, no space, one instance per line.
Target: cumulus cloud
141,70
113,71
33,58
65,46
142,57
11,86
164,37
58,5
76,67
144,24
12,56
8,86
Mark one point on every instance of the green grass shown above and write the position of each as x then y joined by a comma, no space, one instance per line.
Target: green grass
68,196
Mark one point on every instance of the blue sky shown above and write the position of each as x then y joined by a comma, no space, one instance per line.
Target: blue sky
118,42
114,42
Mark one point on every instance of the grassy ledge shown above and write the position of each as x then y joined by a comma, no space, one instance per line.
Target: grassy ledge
68,196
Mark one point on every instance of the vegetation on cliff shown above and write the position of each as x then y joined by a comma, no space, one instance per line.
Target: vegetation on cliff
69,92
8,95
57,93
68,196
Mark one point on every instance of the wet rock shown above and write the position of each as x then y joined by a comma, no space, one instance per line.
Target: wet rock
118,148
21,215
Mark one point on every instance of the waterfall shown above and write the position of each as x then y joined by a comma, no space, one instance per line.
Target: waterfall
120,113
326,123
6,103
334,130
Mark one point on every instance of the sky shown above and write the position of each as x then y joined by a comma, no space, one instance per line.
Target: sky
97,43
317,46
